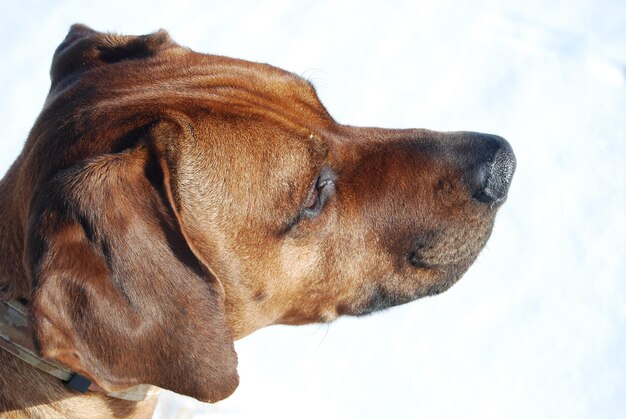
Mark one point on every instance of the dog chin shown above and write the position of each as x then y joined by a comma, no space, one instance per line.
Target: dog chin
382,298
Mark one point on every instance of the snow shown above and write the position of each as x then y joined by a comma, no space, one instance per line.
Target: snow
536,327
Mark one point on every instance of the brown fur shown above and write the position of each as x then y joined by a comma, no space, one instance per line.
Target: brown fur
156,214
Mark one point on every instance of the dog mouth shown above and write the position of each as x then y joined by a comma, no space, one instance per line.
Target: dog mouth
387,294
378,300
426,271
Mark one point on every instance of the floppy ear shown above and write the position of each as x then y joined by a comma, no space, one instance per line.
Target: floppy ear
119,296
85,49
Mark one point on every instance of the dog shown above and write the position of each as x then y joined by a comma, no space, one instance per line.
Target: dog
167,203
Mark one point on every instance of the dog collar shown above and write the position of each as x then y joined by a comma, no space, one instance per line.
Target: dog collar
15,337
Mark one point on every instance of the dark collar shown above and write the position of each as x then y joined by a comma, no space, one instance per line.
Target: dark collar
16,338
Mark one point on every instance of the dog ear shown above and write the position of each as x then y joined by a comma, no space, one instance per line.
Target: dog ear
118,294
84,49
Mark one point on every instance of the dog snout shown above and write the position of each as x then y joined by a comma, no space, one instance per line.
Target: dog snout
491,175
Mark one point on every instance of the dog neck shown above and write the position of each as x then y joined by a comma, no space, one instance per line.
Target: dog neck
33,391
15,338
28,392
13,280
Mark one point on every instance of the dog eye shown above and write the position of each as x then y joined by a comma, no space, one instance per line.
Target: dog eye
313,200
321,190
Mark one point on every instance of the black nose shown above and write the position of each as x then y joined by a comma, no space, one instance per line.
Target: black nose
493,171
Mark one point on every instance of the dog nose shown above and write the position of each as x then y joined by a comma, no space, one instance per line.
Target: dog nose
492,176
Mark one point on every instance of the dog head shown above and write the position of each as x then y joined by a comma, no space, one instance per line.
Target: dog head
176,201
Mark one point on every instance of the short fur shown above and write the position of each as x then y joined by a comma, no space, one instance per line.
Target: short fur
156,214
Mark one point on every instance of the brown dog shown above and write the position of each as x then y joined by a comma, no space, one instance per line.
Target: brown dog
168,202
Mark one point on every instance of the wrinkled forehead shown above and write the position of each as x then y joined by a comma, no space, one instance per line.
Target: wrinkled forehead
243,88
153,74
253,120
265,116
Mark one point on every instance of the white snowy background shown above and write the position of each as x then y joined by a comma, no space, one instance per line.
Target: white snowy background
537,327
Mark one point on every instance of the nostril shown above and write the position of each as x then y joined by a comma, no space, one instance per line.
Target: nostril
493,178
